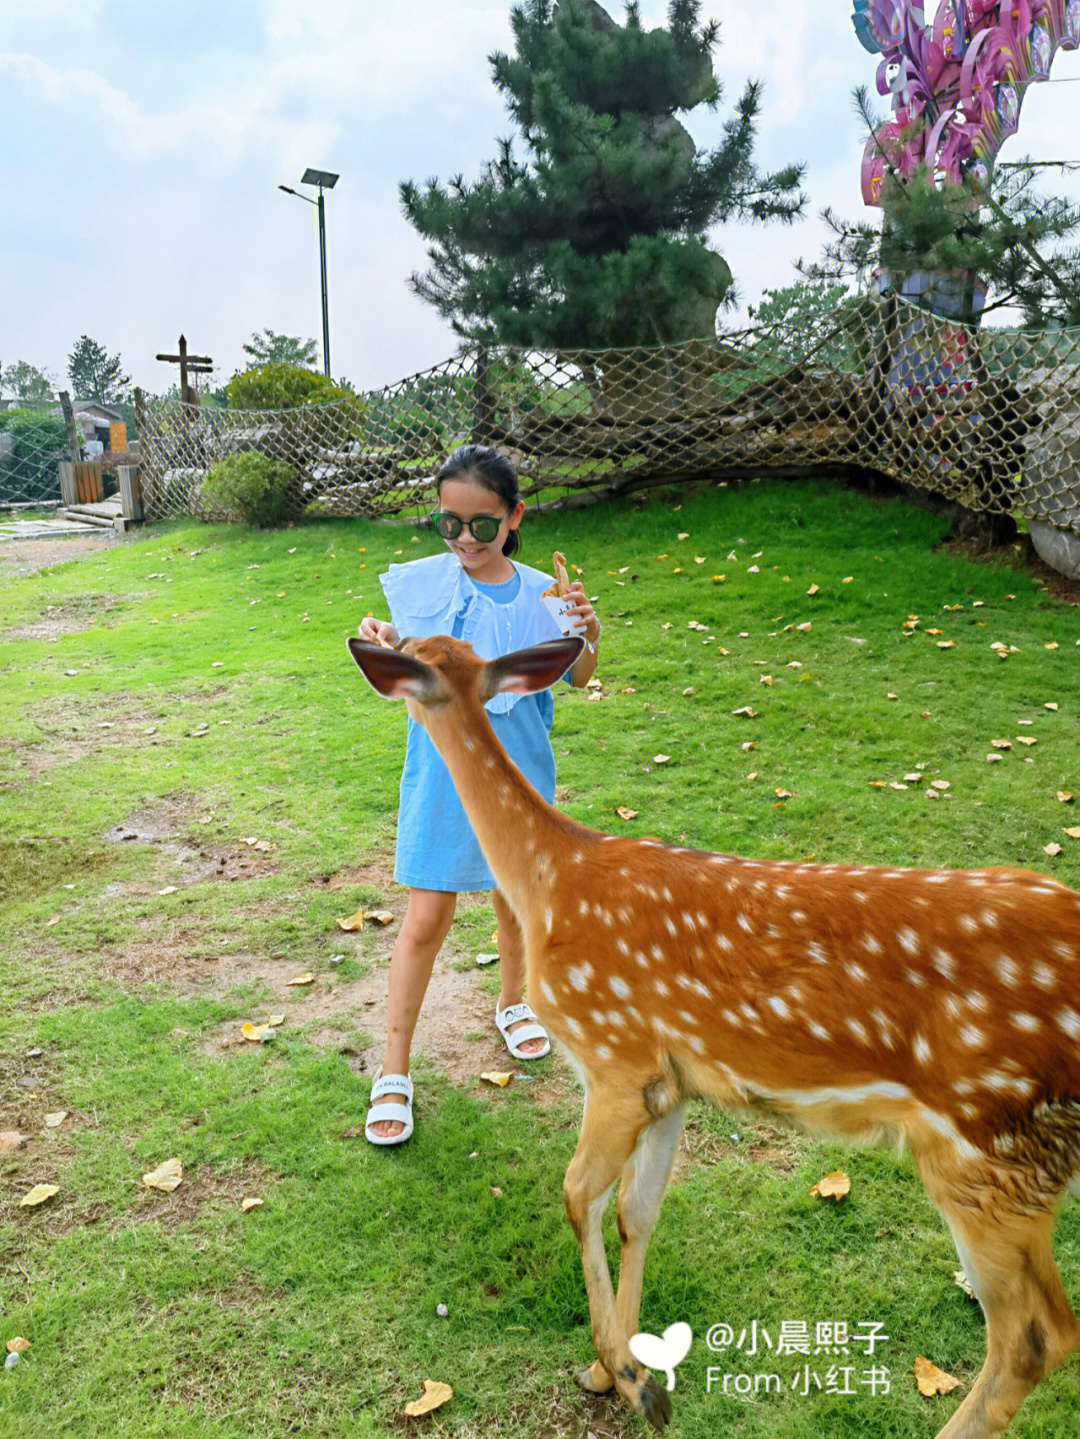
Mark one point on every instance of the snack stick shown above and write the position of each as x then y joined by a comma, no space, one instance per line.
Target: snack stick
562,579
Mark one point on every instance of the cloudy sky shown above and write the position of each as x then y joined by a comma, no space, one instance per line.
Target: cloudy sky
144,144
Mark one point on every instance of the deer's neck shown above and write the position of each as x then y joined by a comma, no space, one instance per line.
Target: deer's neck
518,830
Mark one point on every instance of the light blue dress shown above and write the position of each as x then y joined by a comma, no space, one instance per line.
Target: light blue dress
436,847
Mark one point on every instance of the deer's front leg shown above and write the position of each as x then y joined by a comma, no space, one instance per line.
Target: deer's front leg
610,1127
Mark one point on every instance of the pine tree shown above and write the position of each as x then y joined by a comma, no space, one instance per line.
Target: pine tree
96,375
1003,232
599,236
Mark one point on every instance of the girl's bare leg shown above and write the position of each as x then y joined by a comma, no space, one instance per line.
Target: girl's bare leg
426,924
512,965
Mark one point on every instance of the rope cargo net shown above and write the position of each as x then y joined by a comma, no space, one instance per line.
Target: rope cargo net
986,418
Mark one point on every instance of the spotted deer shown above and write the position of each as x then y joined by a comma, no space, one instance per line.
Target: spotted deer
940,1005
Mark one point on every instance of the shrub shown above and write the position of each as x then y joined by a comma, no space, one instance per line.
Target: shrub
40,441
251,487
282,387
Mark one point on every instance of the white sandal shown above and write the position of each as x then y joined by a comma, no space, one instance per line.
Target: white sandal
504,1018
395,1113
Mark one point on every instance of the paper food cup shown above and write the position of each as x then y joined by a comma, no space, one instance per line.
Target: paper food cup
559,607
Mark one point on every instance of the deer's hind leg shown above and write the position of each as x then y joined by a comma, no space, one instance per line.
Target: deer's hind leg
620,1137
1003,1238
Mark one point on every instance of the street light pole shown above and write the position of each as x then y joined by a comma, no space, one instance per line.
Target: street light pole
324,180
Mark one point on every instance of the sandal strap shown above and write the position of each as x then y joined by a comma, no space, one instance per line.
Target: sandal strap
395,1113
512,1013
392,1084
524,1034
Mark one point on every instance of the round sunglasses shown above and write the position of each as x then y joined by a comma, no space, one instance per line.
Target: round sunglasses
483,528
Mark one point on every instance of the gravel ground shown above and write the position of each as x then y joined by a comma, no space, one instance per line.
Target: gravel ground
22,557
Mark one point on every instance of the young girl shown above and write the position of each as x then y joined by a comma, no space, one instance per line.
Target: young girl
476,592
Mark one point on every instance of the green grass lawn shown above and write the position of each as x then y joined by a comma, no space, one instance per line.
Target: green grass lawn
196,784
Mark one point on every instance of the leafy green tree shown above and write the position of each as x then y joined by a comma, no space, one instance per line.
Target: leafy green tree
803,319
599,236
95,374
268,348
28,384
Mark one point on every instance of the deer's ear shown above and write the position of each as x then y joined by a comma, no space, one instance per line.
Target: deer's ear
526,671
394,675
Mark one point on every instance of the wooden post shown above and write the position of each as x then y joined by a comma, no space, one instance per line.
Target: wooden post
67,482
130,492
69,420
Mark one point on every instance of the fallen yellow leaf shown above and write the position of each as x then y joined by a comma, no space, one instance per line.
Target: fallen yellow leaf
1065,796
354,921
1001,743
813,590
624,813
165,1177
833,1186
496,1077
273,1020
301,981
435,1394
246,1204
380,916
255,1033
17,1345
661,758
1052,849
932,1380
38,1195
1074,831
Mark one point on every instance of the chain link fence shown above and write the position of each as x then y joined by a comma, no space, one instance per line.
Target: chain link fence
986,418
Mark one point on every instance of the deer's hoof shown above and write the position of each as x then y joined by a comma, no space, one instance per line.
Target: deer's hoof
595,1379
654,1404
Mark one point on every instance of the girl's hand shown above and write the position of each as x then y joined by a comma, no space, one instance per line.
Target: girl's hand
379,632
583,611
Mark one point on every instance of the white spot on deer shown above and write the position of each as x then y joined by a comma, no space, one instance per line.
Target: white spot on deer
615,1019
722,942
818,1031
938,877
548,918
859,896
921,1050
816,952
730,1017
859,1031
656,952
687,1017
856,972
1069,1021
871,944
963,1086
702,919
573,1026
971,1036
908,939
1063,950
635,1014
943,962
667,894
777,1005
489,762
744,924
467,744
1043,975
797,916
579,976
622,946
749,1012
642,958
1007,970
989,919
953,1007
969,1111
669,925
661,987
974,999
583,908
598,1017
602,1051
689,921
547,991
968,923
1027,1022
914,977
619,986
943,1125
696,1044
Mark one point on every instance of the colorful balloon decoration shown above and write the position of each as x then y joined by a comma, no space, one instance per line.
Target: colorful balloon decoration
958,82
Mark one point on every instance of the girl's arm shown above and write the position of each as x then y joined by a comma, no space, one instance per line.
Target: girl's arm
581,672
